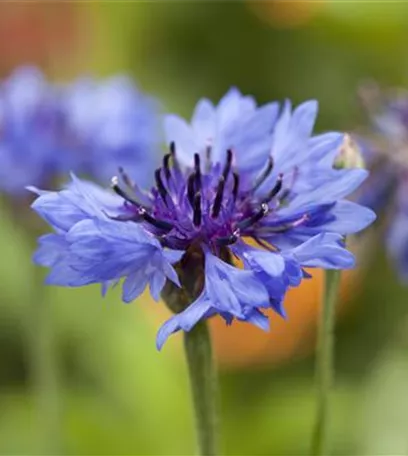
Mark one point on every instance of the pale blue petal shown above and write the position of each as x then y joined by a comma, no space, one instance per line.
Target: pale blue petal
184,320
349,218
157,282
178,131
324,251
204,121
257,318
134,285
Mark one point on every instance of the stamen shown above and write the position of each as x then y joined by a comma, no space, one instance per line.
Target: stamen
264,244
235,187
116,188
228,240
218,197
264,174
276,189
197,162
208,151
124,217
125,177
166,166
172,148
284,196
197,209
190,188
161,224
287,226
228,164
197,169
160,186
138,195
246,223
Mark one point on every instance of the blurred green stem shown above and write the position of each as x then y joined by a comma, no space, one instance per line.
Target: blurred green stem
324,363
203,381
43,365
39,335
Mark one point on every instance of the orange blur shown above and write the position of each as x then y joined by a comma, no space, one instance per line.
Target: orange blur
242,344
285,13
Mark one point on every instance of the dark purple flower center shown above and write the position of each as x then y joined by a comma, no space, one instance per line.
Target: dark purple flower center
206,203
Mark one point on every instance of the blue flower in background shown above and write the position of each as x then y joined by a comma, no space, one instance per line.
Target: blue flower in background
209,197
30,129
112,124
385,149
90,128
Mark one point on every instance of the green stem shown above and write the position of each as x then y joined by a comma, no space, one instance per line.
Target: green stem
39,336
201,368
43,366
324,363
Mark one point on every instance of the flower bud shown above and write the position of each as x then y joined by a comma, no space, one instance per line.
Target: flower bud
350,155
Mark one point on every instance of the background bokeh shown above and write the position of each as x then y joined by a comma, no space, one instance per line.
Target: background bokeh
118,395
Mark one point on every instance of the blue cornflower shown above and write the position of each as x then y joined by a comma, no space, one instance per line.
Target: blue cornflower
385,150
111,124
209,197
30,128
88,127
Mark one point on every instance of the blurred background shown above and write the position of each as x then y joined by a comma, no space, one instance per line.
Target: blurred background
118,395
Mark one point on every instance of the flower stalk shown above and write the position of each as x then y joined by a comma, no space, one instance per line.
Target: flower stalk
40,345
43,368
197,344
324,363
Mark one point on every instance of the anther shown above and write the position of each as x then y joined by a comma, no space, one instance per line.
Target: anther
246,223
116,188
160,186
172,149
125,177
265,173
275,190
235,187
161,224
228,240
190,188
197,162
228,164
287,226
166,166
197,169
197,209
218,197
138,196
284,195
263,244
208,151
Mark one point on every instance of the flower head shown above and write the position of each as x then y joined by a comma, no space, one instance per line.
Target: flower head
111,124
185,231
90,128
386,151
30,127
